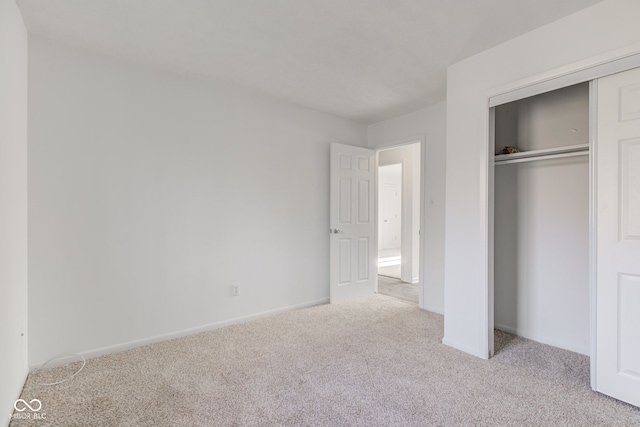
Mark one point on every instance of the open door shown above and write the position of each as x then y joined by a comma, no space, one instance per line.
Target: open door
352,226
618,237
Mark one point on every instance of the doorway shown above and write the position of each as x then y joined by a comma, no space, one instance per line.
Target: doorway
398,229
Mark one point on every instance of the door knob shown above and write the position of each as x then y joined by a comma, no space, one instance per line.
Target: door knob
336,231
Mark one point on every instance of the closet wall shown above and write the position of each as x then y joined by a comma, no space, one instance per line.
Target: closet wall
541,232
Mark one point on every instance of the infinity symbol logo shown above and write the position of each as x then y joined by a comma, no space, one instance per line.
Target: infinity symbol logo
34,408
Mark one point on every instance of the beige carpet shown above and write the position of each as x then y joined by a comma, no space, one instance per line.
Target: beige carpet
373,362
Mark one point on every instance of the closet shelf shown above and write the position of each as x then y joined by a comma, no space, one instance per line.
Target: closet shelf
547,153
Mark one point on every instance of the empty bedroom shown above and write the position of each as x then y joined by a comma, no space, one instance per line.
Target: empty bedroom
331,213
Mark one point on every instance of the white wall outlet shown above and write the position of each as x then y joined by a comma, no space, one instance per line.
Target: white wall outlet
235,290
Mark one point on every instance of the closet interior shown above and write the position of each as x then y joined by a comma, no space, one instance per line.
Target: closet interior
541,218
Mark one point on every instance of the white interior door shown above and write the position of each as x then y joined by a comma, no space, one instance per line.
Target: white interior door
618,237
391,207
352,233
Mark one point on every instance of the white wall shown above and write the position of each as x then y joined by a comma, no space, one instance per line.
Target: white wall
405,155
552,119
13,200
428,124
594,31
151,194
542,251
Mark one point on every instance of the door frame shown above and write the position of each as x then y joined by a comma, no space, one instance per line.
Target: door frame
421,139
589,70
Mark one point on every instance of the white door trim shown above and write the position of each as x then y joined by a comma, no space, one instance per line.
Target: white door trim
592,68
601,65
423,148
593,243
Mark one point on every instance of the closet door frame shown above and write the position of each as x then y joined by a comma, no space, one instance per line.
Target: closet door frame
585,71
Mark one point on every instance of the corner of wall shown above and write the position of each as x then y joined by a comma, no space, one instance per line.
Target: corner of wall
13,198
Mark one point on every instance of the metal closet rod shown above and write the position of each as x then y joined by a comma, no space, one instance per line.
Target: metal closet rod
545,154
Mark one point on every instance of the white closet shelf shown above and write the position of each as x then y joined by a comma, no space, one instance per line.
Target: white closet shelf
547,153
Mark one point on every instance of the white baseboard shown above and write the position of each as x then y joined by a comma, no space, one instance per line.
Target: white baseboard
17,395
412,280
461,347
542,339
433,309
88,354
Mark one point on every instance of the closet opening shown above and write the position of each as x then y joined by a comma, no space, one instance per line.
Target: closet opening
539,219
537,290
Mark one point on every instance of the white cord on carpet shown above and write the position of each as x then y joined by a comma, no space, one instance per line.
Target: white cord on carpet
84,362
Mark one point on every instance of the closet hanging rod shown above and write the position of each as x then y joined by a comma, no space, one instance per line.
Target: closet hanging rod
543,157
544,153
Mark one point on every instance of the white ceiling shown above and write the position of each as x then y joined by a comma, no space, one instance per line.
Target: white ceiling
366,60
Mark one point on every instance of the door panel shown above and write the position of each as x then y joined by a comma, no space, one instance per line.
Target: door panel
630,189
364,258
618,237
629,341
351,223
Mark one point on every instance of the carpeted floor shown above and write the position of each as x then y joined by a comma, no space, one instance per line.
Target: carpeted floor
377,361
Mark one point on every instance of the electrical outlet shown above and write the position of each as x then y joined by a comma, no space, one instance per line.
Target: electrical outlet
235,290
